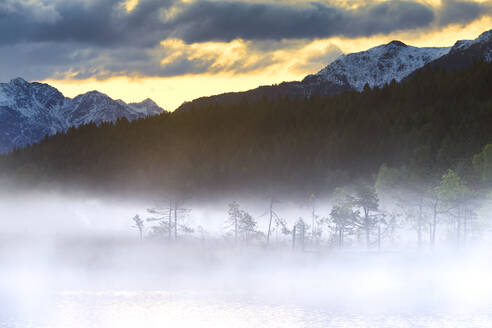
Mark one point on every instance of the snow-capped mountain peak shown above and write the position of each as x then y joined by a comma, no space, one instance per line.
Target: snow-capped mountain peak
30,98
146,102
395,43
29,111
481,46
376,67
146,107
379,65
18,81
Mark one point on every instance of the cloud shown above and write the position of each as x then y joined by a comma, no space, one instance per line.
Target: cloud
104,23
172,57
104,38
35,10
225,21
316,60
108,23
462,12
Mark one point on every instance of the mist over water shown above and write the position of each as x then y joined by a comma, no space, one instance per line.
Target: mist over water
68,261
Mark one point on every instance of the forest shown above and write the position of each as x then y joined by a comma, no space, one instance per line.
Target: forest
411,156
397,211
432,123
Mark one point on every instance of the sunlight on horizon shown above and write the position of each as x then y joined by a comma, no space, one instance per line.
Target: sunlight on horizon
170,92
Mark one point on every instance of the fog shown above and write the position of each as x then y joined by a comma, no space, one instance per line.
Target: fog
76,260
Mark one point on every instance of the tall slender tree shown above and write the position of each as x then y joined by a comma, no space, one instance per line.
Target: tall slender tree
139,225
366,199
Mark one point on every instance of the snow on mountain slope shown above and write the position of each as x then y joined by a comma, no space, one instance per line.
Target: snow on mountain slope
30,99
480,48
95,107
464,53
146,107
378,65
30,111
484,38
27,113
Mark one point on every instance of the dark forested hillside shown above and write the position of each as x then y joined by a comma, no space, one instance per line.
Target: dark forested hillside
311,85
436,121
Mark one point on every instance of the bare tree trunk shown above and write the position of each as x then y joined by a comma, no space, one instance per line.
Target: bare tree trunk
458,228
175,220
270,222
430,234
465,225
235,229
340,237
434,224
419,235
367,229
419,227
379,237
303,233
170,224
313,229
294,238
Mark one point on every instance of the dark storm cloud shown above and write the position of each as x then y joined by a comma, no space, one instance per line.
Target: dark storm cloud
225,21
106,23
37,61
462,12
98,22
41,38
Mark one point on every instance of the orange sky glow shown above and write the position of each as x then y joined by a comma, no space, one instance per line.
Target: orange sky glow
291,61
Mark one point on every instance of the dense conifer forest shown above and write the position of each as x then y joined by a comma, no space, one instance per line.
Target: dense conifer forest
431,123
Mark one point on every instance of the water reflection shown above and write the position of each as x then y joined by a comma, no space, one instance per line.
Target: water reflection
149,309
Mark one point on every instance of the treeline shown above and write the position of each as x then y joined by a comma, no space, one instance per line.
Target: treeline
434,122
400,209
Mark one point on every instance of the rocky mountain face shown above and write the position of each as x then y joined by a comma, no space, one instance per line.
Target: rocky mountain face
30,111
374,67
464,53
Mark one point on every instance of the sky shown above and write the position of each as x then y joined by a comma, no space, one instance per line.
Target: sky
177,50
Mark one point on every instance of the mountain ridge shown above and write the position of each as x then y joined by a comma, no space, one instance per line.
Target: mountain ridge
375,67
429,124
463,53
379,65
31,110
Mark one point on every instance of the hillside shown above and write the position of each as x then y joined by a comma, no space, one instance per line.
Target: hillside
436,121
463,53
375,67
30,111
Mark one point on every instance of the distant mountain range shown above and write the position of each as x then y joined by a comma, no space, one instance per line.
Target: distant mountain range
374,67
464,53
30,111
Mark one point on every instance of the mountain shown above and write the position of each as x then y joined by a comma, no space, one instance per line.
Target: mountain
146,107
464,53
433,122
375,67
30,111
